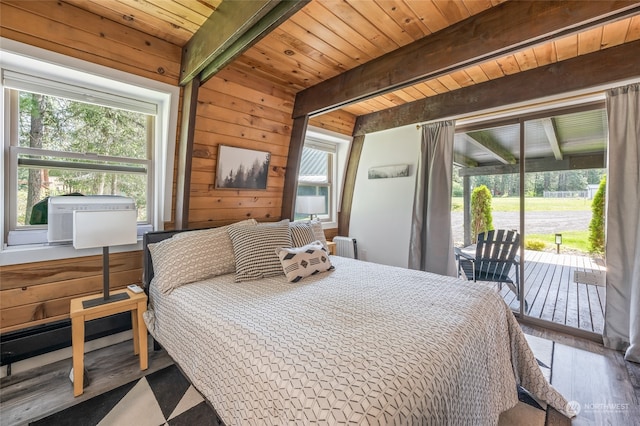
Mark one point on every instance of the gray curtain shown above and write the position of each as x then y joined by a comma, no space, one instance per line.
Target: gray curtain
622,315
431,245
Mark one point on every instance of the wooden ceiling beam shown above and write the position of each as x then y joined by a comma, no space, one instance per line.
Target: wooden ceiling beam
229,31
618,63
486,142
463,161
552,136
503,29
571,162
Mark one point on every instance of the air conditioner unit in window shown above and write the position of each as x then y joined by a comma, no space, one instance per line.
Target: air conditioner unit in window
61,208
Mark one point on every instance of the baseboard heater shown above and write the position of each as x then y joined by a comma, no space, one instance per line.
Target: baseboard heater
20,345
346,247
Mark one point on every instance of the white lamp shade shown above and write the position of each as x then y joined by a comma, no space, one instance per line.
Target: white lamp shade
104,228
310,204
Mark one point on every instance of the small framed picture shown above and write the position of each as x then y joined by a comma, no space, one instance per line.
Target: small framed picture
384,172
241,168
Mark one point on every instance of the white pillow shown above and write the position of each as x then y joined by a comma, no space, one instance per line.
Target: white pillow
305,232
193,256
179,261
301,233
254,249
300,262
316,225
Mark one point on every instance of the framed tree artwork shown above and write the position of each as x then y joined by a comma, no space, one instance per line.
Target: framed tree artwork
241,168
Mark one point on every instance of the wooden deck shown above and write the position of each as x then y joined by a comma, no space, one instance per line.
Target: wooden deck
554,295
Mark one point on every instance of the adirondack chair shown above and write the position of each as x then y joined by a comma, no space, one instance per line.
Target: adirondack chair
495,254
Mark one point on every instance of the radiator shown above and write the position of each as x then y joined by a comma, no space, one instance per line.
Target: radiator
346,247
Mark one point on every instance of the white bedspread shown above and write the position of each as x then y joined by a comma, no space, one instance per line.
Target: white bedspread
364,344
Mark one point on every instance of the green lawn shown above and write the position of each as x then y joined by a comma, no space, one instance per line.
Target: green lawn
531,204
576,240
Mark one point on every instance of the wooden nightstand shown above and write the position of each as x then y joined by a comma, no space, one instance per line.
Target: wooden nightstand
137,304
332,247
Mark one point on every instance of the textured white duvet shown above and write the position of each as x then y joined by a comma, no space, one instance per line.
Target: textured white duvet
364,344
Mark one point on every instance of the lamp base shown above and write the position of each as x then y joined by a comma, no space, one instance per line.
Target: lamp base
102,301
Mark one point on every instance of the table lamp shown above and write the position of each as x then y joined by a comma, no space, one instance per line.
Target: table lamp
104,228
310,204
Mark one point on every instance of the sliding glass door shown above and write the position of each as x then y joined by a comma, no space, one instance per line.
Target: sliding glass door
541,174
564,164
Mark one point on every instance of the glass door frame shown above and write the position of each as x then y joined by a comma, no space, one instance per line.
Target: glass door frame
521,120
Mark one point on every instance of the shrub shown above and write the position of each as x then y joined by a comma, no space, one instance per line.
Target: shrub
596,226
481,218
456,189
535,245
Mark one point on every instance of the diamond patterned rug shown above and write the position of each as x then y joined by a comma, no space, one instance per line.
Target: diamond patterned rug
162,398
167,398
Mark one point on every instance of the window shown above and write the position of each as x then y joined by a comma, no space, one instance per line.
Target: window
61,146
74,127
317,174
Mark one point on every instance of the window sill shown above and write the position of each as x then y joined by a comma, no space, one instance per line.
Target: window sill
32,247
28,253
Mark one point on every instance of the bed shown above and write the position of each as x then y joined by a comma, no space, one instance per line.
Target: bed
360,343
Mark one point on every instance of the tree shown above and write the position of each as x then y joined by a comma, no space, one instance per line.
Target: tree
36,107
67,126
481,217
596,226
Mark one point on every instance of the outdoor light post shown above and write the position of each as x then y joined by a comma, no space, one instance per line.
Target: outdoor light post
558,242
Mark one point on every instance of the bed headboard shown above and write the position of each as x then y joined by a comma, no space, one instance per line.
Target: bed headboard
147,263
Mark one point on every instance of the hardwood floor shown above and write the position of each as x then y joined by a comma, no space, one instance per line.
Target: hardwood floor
42,391
599,379
606,387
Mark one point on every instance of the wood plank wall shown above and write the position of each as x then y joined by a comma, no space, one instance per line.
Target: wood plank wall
242,110
36,293
336,121
39,292
66,29
234,108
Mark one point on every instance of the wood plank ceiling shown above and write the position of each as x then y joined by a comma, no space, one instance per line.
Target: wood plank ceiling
328,37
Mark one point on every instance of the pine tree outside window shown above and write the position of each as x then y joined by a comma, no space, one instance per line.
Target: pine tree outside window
71,127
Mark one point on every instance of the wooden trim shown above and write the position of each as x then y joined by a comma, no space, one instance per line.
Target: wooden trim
231,30
26,275
272,19
218,33
520,24
298,132
574,74
344,216
185,154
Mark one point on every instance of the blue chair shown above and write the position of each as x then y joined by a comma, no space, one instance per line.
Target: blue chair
495,255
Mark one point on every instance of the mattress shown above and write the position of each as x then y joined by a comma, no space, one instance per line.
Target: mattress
363,344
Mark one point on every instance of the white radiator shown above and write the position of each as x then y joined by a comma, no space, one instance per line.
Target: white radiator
346,247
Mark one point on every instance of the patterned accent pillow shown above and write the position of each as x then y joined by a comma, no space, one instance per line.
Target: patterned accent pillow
300,262
246,222
192,256
301,233
318,233
254,248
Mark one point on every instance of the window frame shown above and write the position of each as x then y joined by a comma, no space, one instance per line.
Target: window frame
338,144
42,64
331,148
11,203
